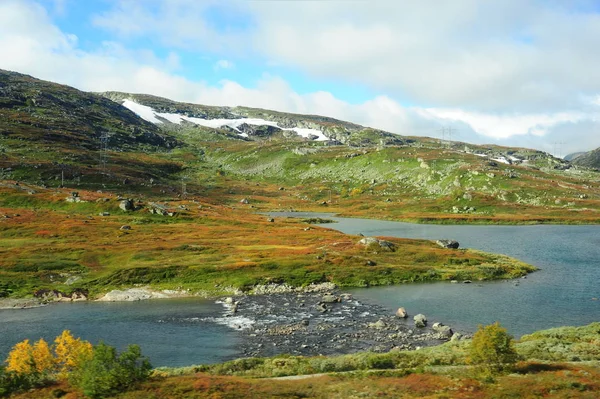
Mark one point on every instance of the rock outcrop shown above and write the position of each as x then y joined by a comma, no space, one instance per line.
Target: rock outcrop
452,244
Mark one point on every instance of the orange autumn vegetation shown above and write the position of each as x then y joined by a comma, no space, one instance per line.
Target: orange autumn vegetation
531,380
203,247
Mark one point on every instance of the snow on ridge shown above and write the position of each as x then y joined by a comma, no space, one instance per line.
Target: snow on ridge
142,111
151,115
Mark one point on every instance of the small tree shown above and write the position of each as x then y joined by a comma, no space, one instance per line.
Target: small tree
20,359
492,348
70,352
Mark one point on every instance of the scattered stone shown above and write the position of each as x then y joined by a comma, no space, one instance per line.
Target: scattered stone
125,227
330,298
401,313
104,214
379,325
420,320
244,201
451,244
270,220
467,282
371,263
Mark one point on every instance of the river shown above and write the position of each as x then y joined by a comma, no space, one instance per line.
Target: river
180,332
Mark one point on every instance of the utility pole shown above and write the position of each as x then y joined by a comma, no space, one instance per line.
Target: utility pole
104,138
447,130
557,148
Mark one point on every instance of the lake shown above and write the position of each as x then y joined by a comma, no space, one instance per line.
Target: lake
180,332
566,291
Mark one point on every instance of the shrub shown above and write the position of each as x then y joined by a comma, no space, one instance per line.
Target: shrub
492,348
106,372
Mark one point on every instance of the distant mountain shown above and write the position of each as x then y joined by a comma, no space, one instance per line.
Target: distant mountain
573,155
252,123
590,159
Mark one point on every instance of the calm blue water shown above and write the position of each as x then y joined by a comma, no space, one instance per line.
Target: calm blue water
174,332
181,332
562,293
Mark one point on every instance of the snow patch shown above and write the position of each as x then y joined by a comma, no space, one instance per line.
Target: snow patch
143,111
151,115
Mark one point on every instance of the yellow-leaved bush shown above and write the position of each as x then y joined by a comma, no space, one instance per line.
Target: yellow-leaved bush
66,354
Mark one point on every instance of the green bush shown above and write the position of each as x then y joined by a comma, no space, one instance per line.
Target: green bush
107,372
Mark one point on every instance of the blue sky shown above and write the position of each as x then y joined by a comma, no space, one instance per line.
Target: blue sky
516,72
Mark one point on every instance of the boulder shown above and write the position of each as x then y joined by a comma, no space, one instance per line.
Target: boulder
446,331
448,244
455,337
401,313
420,320
125,227
330,298
127,205
372,241
244,201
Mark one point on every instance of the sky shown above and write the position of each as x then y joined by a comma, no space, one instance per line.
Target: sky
511,72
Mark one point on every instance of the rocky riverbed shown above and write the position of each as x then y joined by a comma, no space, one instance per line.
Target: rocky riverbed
317,323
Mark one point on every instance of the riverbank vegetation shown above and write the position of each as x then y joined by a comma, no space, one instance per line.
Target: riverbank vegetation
97,371
556,363
59,244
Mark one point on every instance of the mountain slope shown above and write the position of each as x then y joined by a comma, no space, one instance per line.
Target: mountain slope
589,159
47,128
313,127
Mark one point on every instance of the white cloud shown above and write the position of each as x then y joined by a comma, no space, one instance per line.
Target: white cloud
31,43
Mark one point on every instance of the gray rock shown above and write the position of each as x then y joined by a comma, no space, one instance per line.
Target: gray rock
329,298
372,241
125,227
448,244
244,201
446,331
401,313
127,205
420,320
456,337
379,325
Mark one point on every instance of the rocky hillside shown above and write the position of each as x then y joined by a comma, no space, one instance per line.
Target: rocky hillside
590,159
47,128
319,127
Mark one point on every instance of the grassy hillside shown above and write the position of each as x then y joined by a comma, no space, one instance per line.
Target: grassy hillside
49,132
